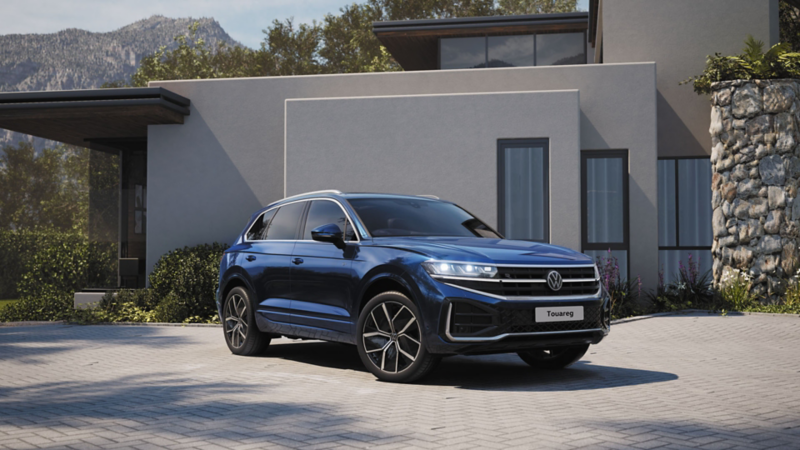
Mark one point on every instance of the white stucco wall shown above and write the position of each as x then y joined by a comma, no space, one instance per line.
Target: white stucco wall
678,35
445,145
207,176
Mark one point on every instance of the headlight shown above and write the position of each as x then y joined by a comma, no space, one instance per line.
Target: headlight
465,270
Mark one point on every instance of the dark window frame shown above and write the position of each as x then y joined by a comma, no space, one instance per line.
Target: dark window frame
503,144
626,238
677,218
486,48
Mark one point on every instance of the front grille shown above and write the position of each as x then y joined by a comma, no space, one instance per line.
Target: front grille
511,289
531,282
540,273
522,321
468,319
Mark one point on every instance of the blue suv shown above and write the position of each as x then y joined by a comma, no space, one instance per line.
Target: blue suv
408,280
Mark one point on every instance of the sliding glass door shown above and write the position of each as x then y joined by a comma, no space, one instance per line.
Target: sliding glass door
523,206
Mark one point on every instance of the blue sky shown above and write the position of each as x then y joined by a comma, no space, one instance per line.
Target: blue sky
242,19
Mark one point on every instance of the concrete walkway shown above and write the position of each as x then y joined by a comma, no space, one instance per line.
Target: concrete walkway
692,381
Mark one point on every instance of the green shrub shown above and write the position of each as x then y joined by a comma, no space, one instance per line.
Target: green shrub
624,294
753,64
691,290
47,306
171,308
734,290
17,251
60,268
191,274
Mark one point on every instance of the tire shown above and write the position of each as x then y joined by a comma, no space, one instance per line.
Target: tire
239,324
555,358
390,340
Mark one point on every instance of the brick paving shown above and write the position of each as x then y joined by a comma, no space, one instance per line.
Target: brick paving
693,381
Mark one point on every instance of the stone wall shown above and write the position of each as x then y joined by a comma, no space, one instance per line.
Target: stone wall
755,165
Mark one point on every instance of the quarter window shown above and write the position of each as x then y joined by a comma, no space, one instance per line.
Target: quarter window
323,212
286,222
257,231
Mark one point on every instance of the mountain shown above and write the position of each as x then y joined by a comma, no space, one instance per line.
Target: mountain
79,59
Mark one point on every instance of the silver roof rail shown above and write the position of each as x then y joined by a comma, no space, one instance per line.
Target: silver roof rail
429,196
326,191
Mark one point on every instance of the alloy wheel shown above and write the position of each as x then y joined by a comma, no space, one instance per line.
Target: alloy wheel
392,337
236,321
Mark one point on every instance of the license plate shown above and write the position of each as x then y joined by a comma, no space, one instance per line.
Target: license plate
559,314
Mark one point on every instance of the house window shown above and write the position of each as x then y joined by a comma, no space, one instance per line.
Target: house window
604,202
560,49
684,215
512,51
462,53
523,199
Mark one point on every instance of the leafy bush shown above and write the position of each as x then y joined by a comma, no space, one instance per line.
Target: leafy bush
60,268
186,281
624,294
691,290
734,290
47,306
17,252
753,64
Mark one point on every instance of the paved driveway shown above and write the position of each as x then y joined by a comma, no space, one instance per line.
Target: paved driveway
668,382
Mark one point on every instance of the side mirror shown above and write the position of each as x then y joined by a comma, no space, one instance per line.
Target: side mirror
329,233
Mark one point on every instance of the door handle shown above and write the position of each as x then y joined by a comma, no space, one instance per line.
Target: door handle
251,258
297,261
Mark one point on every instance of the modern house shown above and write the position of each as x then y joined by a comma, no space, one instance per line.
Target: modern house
568,128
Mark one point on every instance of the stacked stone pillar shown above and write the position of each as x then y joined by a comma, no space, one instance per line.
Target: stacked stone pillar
756,166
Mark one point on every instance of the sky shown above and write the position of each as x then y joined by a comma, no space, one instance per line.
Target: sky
242,19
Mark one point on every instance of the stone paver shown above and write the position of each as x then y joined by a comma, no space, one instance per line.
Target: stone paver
694,381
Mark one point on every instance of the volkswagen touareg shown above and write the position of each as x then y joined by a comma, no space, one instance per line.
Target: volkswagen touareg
407,280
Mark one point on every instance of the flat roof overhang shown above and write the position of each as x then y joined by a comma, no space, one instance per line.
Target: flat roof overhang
81,116
414,44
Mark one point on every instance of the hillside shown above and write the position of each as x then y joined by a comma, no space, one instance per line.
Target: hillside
78,59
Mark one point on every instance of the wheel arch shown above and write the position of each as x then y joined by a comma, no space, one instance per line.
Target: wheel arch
234,277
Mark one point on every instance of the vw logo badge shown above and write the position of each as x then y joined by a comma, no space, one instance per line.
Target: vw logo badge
554,280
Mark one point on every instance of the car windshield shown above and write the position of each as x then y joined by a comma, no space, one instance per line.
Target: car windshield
411,217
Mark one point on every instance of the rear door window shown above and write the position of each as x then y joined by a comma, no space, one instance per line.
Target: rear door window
285,224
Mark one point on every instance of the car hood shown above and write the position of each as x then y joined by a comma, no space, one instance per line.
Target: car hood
483,250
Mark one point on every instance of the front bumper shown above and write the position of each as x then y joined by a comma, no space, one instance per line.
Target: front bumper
470,323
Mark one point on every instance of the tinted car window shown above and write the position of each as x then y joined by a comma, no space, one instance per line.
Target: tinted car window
323,212
407,217
256,232
284,224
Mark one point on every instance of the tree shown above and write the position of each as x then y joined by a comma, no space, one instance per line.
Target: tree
513,7
790,25
433,9
348,45
46,190
193,59
342,43
290,50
